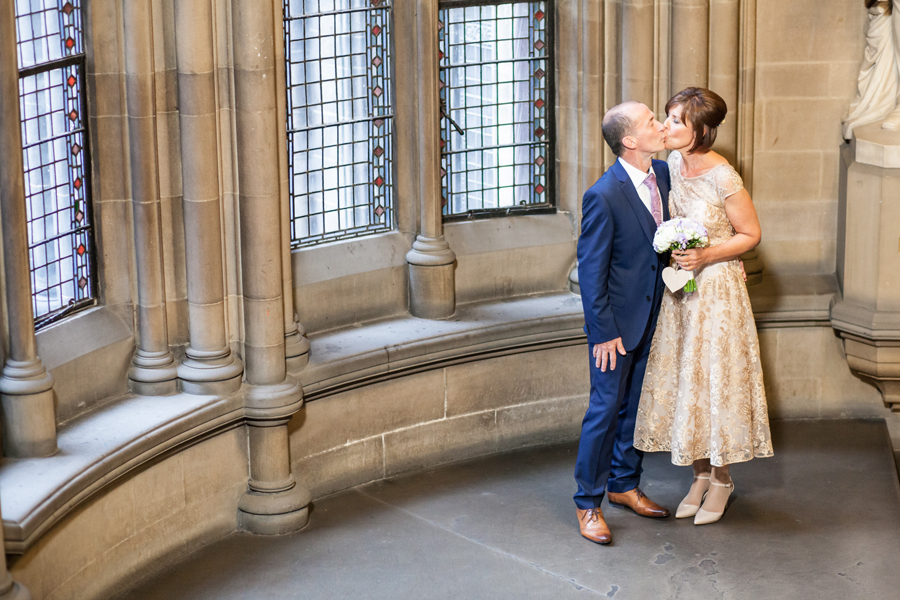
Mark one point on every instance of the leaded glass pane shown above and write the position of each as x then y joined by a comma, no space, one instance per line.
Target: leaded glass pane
52,105
495,78
340,120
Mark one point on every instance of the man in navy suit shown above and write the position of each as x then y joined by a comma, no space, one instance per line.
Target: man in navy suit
621,289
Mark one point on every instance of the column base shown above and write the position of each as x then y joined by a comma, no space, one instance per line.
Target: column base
16,592
574,286
28,410
432,285
216,374
274,513
153,374
267,402
296,348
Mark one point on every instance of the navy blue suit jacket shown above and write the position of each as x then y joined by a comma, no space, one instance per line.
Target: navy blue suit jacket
619,273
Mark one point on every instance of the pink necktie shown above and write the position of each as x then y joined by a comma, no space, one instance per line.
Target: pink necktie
655,204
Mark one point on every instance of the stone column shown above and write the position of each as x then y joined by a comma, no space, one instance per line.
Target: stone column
9,589
724,70
153,369
26,388
296,346
588,24
209,366
638,49
432,287
275,503
690,44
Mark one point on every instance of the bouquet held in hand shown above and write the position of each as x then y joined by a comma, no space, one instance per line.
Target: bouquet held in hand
680,234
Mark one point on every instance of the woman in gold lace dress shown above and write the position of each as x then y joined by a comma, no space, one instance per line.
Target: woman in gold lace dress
703,398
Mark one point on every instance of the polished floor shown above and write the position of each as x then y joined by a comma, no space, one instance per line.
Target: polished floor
820,520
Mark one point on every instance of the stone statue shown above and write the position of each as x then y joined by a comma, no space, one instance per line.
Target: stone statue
879,74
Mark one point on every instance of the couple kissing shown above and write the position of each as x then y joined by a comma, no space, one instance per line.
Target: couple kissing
675,371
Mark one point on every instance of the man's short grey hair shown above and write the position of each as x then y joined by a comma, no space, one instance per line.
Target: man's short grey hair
616,125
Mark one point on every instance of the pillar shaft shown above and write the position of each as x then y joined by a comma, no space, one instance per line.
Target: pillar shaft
209,367
296,346
26,388
690,44
260,194
153,367
638,48
275,503
432,293
724,69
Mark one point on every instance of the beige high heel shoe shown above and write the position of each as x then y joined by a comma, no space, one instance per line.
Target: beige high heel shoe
684,509
705,517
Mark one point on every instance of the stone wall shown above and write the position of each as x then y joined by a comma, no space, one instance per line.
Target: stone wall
807,61
141,523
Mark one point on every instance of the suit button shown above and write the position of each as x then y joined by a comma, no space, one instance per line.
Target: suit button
648,298
652,267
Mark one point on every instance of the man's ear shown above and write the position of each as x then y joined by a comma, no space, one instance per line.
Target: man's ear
630,142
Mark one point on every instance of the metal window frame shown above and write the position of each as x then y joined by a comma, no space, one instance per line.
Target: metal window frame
79,61
549,207
355,233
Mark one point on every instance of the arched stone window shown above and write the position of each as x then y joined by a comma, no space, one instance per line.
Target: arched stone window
53,107
339,121
496,78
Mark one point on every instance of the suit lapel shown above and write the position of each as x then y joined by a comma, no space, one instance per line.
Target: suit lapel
640,211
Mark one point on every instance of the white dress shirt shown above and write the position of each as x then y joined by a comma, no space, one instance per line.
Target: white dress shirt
637,178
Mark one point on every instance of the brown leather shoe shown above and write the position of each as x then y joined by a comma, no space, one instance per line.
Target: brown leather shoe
639,503
592,525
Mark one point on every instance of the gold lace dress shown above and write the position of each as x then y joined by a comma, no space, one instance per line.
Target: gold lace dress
703,394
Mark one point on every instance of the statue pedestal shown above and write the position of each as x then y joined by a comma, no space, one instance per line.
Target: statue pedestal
867,314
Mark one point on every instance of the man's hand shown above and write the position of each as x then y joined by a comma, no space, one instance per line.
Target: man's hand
605,353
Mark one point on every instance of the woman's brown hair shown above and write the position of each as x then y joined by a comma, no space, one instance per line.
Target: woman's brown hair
704,110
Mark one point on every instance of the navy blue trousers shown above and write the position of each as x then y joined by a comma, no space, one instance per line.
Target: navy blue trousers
607,458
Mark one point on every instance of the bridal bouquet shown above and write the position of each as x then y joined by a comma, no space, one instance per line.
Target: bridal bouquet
679,234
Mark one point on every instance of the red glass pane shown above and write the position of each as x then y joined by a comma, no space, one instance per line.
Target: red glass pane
81,250
539,161
71,80
75,149
378,151
379,181
539,131
82,283
539,73
73,115
70,43
539,15
376,30
539,103
539,45
68,8
539,189
77,183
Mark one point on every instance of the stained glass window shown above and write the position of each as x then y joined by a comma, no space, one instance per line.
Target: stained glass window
54,137
496,87
340,121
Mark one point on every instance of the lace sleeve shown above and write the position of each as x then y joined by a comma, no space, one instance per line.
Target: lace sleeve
728,182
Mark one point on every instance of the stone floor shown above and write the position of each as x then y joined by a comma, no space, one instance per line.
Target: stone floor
820,520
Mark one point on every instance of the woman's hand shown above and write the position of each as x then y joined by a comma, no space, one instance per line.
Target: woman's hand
692,259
